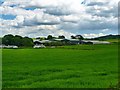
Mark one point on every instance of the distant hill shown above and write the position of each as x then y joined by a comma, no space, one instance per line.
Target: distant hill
107,37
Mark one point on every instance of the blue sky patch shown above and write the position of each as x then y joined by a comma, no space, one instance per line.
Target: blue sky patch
13,5
1,2
7,17
30,8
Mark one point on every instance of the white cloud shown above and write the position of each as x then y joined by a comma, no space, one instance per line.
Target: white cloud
59,17
91,35
70,18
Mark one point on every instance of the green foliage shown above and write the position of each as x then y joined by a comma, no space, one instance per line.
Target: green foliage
61,37
80,37
28,42
49,37
73,37
0,41
8,39
17,40
42,38
77,66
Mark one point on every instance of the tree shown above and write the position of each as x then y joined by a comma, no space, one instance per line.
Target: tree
0,41
80,37
27,42
18,40
8,39
42,38
49,37
73,37
61,37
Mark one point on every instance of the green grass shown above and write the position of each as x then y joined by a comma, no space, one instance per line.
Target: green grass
113,40
81,66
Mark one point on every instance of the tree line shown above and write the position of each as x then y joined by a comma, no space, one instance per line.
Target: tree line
50,37
17,40
28,42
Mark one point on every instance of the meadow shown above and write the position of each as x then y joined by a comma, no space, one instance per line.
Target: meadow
80,66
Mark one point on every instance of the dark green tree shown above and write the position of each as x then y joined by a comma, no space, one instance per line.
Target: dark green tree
27,42
0,41
80,37
73,37
49,37
8,40
18,40
61,37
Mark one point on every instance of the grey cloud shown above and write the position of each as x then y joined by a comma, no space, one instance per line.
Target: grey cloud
80,21
35,24
97,3
69,21
89,25
102,12
39,23
58,11
97,26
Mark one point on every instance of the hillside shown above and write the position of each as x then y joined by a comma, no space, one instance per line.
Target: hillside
110,38
107,37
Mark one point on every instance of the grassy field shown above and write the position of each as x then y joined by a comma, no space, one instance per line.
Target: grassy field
82,66
113,40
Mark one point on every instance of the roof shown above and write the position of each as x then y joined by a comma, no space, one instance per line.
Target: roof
59,39
96,41
43,41
73,39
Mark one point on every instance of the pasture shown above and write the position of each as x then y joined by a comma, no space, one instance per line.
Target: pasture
80,66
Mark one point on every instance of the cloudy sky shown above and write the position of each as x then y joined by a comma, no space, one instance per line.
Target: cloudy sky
33,18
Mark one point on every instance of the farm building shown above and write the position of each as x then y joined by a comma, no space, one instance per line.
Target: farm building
62,40
71,41
77,41
38,44
74,41
94,42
